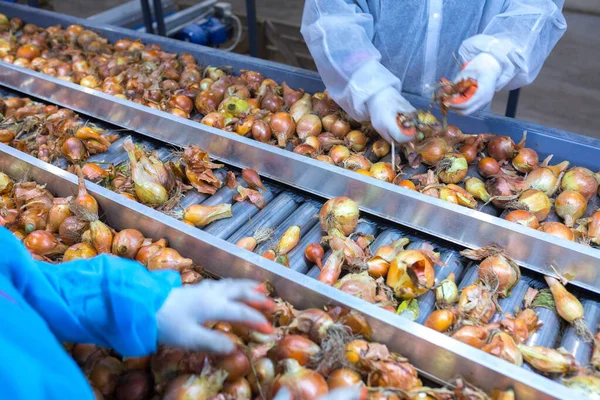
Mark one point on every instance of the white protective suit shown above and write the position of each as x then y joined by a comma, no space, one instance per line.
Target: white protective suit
364,47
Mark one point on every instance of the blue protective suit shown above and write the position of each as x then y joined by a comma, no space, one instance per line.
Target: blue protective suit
362,47
107,301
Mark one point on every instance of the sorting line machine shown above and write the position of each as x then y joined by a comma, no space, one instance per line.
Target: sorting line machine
296,192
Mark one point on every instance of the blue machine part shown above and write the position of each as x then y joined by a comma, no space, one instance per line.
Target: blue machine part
210,32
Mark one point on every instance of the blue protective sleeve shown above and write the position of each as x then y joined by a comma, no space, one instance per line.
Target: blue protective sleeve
107,301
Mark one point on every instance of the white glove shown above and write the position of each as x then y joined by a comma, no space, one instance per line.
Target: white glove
349,393
180,319
486,70
383,109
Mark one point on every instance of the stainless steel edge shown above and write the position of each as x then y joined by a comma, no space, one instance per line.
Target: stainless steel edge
534,250
438,356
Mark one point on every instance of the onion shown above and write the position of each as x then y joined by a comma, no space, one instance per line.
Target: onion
360,285
6,183
343,378
74,150
305,150
265,374
394,374
503,346
405,183
313,142
524,218
79,251
357,161
476,304
498,271
201,215
593,228
470,148
84,203
44,244
332,268
288,240
501,148
503,189
235,364
149,176
411,274
549,360
296,347
291,96
452,168
476,188
252,78
474,335
239,390
581,180
234,105
327,141
167,258
93,172
526,160
546,178
302,383
570,206
271,102
339,128
536,202
587,385
325,159
206,386
28,52
339,213
33,219
71,230
127,243
104,375
440,320
339,154
252,178
557,229
356,140
488,167
283,127
432,150
206,102
314,253
133,385
569,308
308,125
380,148
261,131
383,171
446,293
301,108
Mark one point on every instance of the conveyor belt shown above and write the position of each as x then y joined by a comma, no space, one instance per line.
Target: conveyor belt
287,207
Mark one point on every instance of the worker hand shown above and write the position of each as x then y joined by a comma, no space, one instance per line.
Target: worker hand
349,393
383,108
486,70
180,319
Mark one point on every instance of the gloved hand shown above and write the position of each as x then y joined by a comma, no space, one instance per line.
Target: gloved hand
383,109
180,319
350,393
486,70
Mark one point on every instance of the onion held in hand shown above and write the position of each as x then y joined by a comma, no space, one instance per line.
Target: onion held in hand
339,213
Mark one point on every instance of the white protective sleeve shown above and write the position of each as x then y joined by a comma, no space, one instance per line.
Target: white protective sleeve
520,38
339,34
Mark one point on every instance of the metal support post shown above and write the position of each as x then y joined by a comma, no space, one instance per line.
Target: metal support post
513,102
160,18
252,27
147,16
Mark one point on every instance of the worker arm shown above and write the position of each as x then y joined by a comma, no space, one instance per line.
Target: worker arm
520,39
339,35
107,301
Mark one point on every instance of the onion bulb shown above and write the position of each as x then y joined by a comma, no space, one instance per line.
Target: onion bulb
101,237
411,273
477,189
339,213
339,153
79,251
523,217
283,127
252,178
432,150
84,203
314,253
44,244
6,183
474,335
581,180
546,178
549,360
536,202
205,386
356,162
502,148
557,229
201,215
356,140
296,347
452,168
476,304
127,243
380,148
570,206
308,125
440,320
503,346
383,171
168,258
569,308
342,378
302,383
146,177
301,107
526,160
